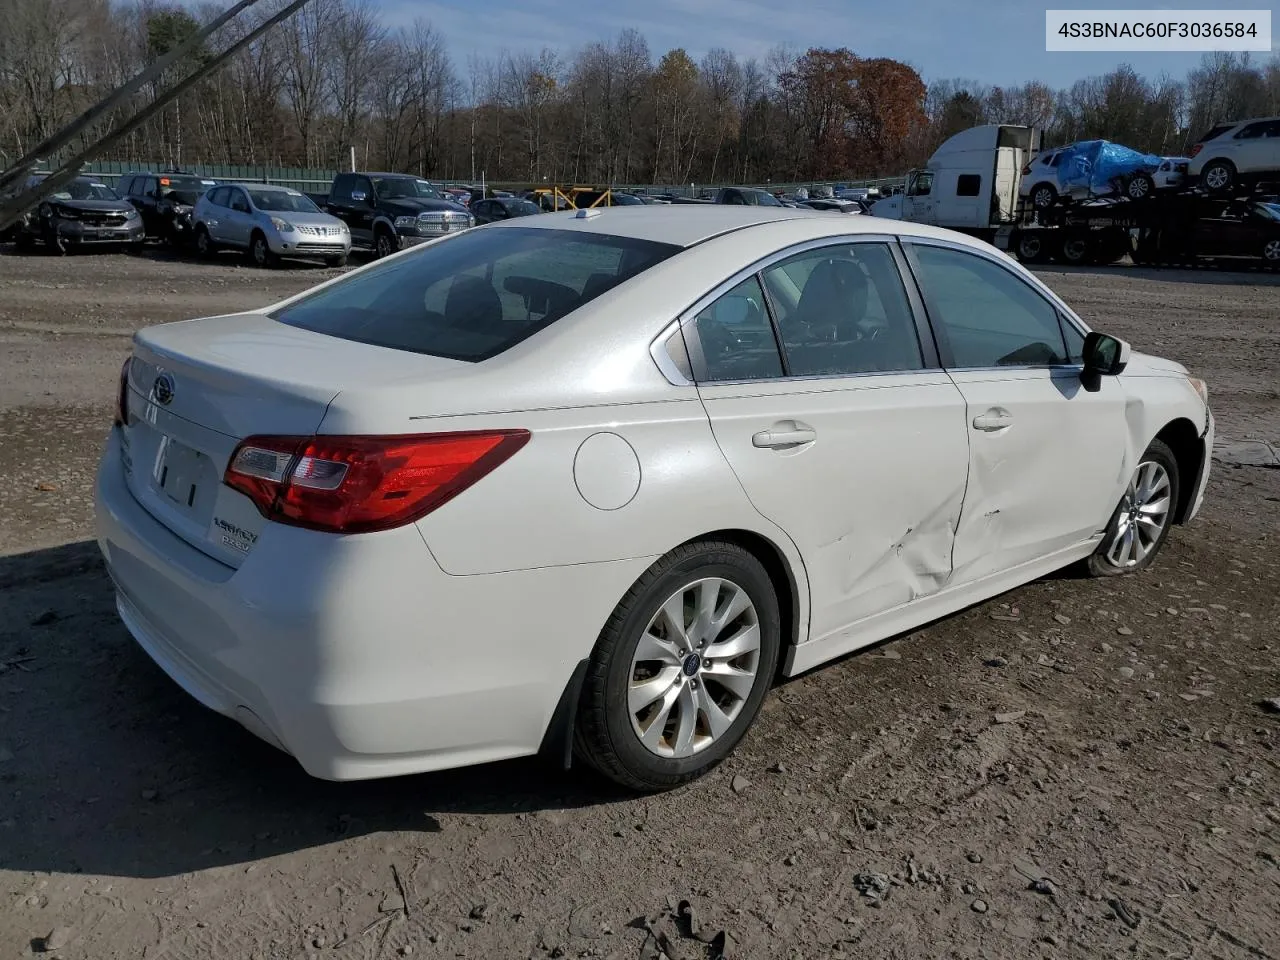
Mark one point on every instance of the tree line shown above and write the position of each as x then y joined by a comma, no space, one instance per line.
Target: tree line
335,76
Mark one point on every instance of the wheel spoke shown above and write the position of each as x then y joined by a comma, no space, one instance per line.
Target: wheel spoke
654,648
1155,508
736,681
651,736
733,608
686,722
717,720
706,594
646,692
672,614
746,640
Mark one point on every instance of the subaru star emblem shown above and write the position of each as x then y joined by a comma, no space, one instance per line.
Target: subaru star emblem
162,390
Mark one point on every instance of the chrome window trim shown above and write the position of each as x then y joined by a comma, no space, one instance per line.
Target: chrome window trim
693,346
1008,265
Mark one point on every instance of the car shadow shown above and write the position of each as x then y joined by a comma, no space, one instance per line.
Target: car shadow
108,767
1206,274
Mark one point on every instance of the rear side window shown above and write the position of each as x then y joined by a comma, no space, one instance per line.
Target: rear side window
968,185
477,294
1215,132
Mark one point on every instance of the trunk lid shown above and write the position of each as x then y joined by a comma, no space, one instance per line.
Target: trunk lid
197,388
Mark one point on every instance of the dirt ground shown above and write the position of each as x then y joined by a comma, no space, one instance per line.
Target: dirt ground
1076,769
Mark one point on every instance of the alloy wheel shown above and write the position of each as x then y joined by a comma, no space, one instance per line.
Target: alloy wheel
1271,252
260,251
1144,513
1217,177
694,668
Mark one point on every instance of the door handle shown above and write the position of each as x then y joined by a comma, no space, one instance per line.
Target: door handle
781,435
993,420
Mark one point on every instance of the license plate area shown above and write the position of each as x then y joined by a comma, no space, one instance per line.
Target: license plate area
179,473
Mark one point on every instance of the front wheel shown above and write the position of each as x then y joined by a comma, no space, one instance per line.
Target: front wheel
260,253
681,668
339,260
204,242
1141,522
1271,254
1140,186
384,244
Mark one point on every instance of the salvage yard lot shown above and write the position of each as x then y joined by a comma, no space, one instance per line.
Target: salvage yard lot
1078,768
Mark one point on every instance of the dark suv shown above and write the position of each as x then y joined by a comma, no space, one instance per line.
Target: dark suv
389,211
165,201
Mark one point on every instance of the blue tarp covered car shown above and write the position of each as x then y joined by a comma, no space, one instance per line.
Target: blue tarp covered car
1100,166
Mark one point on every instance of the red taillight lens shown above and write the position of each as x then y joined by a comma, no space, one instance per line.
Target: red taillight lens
1196,149
122,395
361,484
1026,171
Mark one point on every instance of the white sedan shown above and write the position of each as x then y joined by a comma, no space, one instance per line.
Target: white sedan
588,483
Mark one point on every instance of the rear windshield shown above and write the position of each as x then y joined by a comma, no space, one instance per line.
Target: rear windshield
474,295
1217,131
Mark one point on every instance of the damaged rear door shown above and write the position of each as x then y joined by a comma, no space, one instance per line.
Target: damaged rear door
838,423
1048,458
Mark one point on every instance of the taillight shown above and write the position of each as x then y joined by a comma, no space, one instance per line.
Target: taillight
122,395
347,484
1026,171
1196,149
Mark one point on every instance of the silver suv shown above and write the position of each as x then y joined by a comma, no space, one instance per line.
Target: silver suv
268,222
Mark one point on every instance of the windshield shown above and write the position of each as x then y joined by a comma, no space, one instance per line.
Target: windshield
183,189
1269,210
283,200
476,294
522,208
86,190
392,188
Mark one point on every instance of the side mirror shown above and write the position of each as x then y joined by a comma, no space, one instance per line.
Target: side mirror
1104,356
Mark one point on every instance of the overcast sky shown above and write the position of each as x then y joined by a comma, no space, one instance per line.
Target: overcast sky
990,41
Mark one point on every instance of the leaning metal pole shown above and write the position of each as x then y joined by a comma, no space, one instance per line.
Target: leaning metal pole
12,210
70,131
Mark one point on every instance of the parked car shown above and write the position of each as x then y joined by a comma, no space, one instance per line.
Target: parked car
557,483
85,212
837,205
165,201
268,222
1237,153
387,212
748,196
1246,228
1089,168
503,208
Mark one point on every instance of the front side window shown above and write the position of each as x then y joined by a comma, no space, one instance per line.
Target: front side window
476,294
238,202
921,185
843,310
987,316
736,337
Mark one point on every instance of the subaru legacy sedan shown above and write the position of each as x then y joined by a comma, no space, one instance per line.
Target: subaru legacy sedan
586,484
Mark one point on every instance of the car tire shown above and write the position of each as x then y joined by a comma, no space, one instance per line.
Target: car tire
205,246
1271,254
617,731
1031,247
384,243
1043,195
1075,251
1142,520
1140,186
336,261
55,244
259,252
1218,176
24,241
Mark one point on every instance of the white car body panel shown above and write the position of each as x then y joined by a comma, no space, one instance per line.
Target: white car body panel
452,640
1248,154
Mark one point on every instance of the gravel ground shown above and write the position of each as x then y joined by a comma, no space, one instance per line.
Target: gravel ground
1076,769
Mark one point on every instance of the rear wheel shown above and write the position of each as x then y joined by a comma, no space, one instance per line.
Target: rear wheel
1032,248
1043,195
1219,176
681,668
1141,522
1075,250
1271,254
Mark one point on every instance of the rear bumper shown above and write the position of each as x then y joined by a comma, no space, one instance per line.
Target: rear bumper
355,654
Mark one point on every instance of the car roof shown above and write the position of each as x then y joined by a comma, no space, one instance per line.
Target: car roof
383,173
685,225
269,187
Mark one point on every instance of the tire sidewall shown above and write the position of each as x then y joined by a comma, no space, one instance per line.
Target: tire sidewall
638,761
1098,563
383,237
